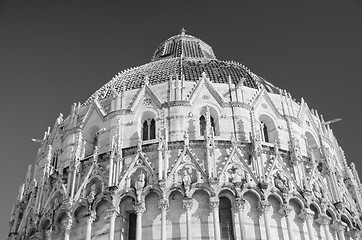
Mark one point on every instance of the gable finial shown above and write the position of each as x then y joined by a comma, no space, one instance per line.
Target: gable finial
183,31
147,80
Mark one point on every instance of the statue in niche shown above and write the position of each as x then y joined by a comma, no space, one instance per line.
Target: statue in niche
236,174
93,189
227,176
56,203
317,191
281,182
276,148
186,180
91,198
186,139
140,183
139,146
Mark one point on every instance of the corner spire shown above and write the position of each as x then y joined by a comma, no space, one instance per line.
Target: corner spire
183,31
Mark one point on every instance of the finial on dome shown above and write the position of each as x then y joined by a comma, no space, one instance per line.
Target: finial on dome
183,31
147,80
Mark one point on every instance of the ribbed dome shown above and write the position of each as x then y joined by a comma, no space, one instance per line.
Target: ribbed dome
183,45
182,55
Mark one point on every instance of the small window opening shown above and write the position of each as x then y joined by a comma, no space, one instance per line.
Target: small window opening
264,130
149,129
132,226
55,160
203,124
225,219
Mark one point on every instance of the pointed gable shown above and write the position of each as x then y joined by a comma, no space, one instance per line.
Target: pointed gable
262,102
204,91
145,96
306,118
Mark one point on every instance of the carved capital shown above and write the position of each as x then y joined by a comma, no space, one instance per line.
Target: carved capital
285,210
68,224
339,226
214,202
140,208
306,214
112,212
323,219
239,204
68,203
187,204
163,204
35,219
37,235
353,233
111,190
263,206
89,216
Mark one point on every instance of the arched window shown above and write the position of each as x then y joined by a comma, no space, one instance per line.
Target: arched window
149,129
267,129
132,225
264,132
55,160
203,124
225,219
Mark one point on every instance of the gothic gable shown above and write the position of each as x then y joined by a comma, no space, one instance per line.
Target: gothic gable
204,89
147,97
263,103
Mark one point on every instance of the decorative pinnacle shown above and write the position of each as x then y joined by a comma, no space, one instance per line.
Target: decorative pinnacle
183,31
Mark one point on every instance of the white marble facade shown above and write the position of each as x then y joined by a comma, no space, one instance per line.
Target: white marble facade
189,147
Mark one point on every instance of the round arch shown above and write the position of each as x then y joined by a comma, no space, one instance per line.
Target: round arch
268,128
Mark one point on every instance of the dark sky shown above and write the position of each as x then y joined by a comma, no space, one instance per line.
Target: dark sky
54,53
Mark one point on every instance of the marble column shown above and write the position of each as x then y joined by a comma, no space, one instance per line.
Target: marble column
187,204
48,234
308,216
239,206
286,210
112,214
214,203
264,209
67,227
340,227
89,218
163,205
324,221
140,209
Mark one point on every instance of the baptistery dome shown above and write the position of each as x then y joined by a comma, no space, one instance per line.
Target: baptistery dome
189,147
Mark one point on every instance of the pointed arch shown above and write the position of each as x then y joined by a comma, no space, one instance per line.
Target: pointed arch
214,120
267,128
147,123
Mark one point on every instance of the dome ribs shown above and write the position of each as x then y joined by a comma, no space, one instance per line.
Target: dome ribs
192,68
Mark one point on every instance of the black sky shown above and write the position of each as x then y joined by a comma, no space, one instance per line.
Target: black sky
54,53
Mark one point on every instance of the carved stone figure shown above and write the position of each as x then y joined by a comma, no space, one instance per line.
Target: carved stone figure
186,180
317,191
281,182
140,183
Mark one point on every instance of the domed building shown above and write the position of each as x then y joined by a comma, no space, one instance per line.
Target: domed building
189,147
